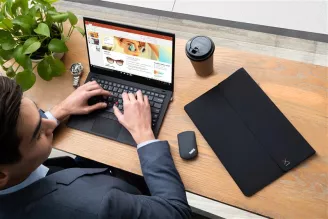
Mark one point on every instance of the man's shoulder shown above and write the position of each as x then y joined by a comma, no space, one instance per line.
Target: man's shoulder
76,188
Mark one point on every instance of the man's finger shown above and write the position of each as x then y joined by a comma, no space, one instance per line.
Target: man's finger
140,98
90,83
132,97
98,92
93,86
125,97
118,114
96,107
146,100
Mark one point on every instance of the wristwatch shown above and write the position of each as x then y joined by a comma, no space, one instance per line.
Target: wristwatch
76,70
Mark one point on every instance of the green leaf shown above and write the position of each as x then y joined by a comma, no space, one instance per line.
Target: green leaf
9,45
21,58
33,11
32,48
7,23
1,17
2,61
28,45
6,54
57,45
26,79
72,18
58,67
26,22
50,67
81,30
51,1
6,40
44,69
62,17
10,72
42,29
7,7
4,35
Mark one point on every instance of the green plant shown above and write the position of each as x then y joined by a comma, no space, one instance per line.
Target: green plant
33,29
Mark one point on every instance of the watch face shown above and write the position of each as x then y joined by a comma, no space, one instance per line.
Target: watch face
77,69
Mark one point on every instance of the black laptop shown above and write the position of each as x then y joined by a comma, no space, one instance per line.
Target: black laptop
124,58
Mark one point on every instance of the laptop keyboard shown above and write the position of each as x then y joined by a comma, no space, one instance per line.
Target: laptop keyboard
156,100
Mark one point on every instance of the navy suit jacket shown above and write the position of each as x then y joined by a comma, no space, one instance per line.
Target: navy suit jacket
92,193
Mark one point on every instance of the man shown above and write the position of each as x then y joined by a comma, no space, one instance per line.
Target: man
28,191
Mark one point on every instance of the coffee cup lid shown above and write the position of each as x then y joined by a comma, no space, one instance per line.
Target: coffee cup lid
200,48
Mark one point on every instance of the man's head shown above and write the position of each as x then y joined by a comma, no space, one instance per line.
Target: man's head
25,138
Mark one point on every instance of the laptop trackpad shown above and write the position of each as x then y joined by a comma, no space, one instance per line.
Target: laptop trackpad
106,127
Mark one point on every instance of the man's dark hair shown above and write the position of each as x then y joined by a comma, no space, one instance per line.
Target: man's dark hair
10,100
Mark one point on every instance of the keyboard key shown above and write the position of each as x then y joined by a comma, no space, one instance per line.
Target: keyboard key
115,89
106,82
148,93
93,79
143,91
106,87
157,105
158,100
120,107
125,91
120,101
110,88
161,96
153,124
152,93
131,88
135,89
110,83
110,99
156,95
120,90
126,87
118,85
155,110
102,81
150,98
151,103
120,96
115,94
154,120
155,116
98,81
114,84
101,85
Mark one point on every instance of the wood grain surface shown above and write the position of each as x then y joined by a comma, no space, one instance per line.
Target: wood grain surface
299,90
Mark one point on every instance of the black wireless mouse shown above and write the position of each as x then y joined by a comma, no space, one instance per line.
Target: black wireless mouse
187,145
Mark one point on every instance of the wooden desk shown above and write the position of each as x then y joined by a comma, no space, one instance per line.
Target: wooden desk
299,90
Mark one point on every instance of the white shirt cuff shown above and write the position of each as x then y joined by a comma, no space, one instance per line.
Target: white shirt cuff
146,143
51,117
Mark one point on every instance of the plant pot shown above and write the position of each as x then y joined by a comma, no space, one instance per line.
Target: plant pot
56,55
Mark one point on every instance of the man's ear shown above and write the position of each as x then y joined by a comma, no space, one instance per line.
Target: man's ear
3,179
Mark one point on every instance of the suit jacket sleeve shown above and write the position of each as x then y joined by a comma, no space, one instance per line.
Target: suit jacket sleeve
168,197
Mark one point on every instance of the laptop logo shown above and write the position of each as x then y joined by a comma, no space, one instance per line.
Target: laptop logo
286,162
192,151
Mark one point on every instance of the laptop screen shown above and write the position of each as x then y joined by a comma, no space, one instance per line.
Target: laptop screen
130,51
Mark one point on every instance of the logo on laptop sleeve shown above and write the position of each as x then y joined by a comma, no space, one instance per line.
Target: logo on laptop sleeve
286,162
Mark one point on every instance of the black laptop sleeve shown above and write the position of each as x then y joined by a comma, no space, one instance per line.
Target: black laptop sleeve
252,138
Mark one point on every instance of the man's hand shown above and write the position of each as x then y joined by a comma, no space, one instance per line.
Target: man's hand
137,117
77,102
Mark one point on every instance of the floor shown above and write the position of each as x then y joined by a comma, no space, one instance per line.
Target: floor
296,49
251,41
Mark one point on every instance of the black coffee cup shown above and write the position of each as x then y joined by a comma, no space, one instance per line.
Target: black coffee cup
200,50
